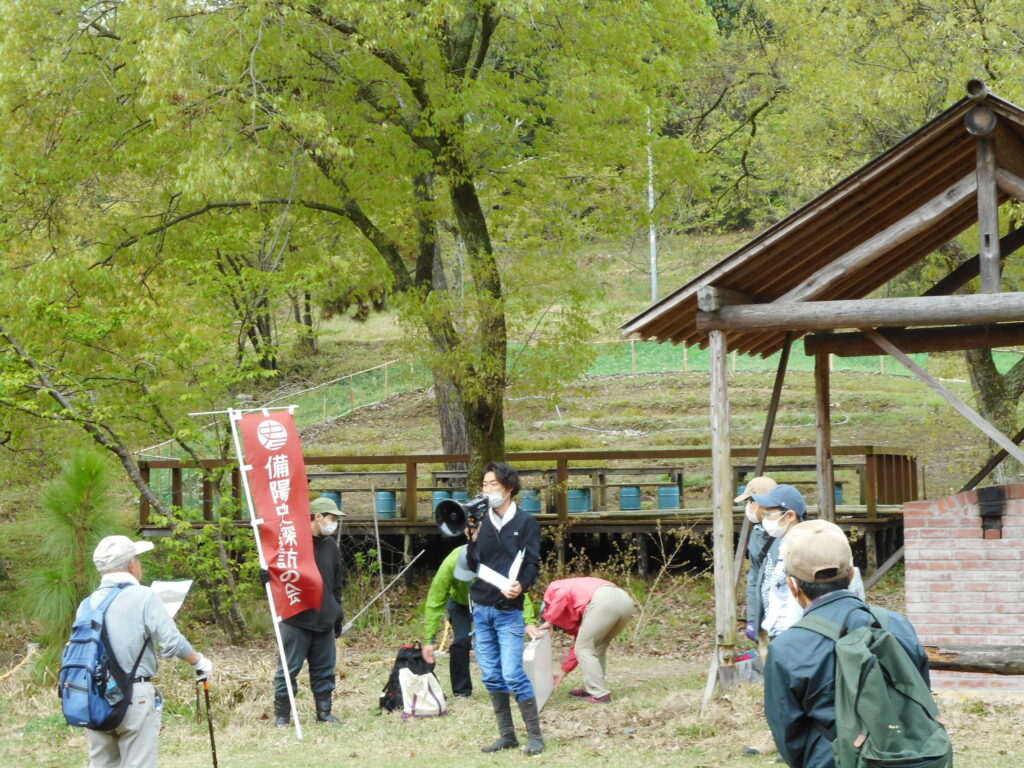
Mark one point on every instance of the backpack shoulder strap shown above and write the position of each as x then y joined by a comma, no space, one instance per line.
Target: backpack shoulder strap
826,627
881,616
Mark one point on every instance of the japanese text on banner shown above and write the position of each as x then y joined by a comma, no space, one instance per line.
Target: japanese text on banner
280,496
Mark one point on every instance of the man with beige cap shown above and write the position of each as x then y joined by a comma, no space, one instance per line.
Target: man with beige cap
799,691
757,547
135,620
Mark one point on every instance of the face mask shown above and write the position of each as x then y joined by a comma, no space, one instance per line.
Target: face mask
327,528
774,528
751,512
495,499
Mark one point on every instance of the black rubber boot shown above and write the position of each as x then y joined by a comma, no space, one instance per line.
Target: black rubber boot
323,711
535,742
282,711
506,728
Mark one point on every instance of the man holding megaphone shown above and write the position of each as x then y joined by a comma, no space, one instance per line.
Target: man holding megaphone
504,551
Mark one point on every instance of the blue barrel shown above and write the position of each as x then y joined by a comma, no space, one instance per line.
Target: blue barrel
529,501
334,496
385,504
668,497
438,497
839,492
579,499
629,497
460,495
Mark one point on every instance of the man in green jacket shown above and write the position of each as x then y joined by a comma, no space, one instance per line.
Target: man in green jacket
450,590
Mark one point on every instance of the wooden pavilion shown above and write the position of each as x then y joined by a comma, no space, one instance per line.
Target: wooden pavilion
816,271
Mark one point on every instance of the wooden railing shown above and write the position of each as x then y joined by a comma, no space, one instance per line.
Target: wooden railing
884,477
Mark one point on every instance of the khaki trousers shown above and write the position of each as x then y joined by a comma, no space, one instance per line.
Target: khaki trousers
607,614
134,743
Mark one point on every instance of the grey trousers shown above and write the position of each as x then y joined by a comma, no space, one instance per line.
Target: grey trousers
135,742
607,614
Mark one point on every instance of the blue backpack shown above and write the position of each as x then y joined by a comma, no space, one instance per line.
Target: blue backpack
94,690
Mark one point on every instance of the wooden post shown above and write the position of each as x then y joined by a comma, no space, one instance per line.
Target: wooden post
988,215
721,503
762,453
562,490
410,492
143,501
823,442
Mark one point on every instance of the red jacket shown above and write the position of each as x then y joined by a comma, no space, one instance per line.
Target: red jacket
565,602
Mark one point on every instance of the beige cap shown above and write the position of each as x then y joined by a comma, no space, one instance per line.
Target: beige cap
115,552
815,546
756,485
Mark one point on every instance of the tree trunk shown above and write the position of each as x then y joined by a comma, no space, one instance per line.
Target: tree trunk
997,402
309,340
484,408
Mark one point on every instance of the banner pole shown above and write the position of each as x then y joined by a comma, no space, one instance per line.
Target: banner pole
234,417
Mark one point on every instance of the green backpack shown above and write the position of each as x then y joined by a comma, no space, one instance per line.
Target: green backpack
885,714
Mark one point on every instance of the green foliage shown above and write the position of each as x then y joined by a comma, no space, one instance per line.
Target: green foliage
76,511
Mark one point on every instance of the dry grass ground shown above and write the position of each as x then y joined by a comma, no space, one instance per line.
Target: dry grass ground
654,720
657,671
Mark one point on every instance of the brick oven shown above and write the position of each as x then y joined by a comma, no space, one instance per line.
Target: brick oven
964,559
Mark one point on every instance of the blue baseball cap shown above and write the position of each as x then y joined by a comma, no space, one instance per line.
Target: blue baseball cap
782,497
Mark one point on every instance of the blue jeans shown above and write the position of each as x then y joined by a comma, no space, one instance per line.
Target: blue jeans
304,645
499,651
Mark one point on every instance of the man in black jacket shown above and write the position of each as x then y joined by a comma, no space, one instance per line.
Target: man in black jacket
505,537
309,636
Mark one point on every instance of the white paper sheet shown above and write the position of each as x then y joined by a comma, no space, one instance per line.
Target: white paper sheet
537,663
172,593
493,577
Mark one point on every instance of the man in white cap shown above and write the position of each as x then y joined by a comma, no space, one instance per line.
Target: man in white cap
309,637
135,620
799,677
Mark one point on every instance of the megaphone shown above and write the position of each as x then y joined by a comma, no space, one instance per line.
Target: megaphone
454,517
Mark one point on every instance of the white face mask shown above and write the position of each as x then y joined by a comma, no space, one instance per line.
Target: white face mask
751,512
774,528
495,499
327,527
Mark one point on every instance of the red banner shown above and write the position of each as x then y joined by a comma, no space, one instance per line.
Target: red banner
280,496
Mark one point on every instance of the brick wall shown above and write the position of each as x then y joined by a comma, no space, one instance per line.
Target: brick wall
964,584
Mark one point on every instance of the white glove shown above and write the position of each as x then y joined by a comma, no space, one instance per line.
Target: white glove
203,667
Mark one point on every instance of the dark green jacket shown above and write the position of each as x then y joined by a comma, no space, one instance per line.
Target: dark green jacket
799,679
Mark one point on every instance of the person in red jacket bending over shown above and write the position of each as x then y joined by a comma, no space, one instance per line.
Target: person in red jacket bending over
594,611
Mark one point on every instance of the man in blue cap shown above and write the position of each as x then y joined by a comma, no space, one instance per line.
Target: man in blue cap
782,507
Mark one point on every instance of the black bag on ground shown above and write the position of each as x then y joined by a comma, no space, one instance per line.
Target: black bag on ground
409,657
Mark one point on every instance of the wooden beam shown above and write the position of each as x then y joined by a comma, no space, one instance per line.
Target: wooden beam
721,503
971,268
826,315
883,569
890,237
762,453
988,215
1010,183
989,659
994,461
711,298
913,340
823,458
959,405
1009,149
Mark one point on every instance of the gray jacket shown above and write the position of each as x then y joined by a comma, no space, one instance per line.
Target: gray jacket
135,614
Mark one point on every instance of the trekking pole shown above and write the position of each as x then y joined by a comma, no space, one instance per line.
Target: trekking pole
209,719
197,701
